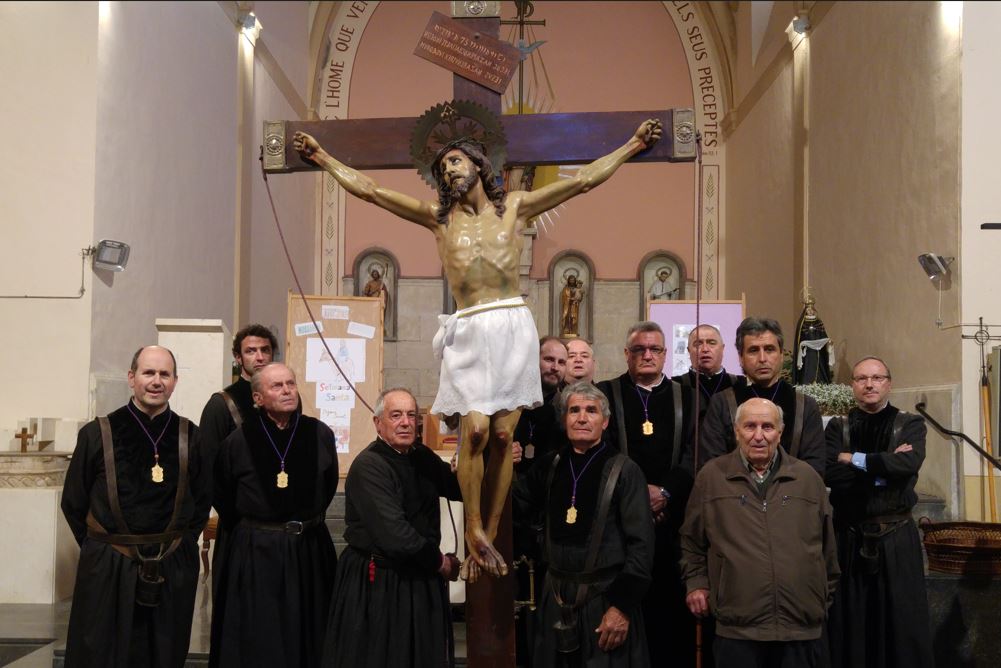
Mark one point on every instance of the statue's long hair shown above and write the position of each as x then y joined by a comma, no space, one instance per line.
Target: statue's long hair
475,152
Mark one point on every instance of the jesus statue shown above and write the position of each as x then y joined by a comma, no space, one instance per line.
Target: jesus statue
489,347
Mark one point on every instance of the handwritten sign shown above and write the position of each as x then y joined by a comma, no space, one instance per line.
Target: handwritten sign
480,58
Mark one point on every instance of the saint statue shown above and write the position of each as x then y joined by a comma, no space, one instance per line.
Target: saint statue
814,351
570,301
489,347
662,288
376,287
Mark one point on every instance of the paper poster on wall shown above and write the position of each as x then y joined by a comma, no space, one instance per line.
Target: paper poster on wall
339,421
335,312
350,356
678,318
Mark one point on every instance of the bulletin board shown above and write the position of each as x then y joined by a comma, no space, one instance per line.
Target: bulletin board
677,319
352,327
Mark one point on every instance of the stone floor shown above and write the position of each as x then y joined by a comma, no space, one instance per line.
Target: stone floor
34,636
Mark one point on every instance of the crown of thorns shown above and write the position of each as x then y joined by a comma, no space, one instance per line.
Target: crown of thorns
447,126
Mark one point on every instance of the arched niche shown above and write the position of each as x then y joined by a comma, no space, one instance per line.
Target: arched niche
377,273
571,296
654,286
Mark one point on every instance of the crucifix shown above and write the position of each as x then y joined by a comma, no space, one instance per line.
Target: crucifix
539,139
25,437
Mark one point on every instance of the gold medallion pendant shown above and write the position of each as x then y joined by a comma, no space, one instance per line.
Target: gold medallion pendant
571,515
282,480
157,471
648,428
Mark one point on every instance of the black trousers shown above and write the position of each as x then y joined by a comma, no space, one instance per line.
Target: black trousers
731,653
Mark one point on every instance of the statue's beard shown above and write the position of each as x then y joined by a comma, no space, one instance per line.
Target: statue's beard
463,185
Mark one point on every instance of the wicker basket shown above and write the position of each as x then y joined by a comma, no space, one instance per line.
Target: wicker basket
965,548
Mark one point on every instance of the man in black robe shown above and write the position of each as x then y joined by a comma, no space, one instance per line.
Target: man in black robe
651,422
226,410
390,604
129,498
880,613
538,428
599,544
705,349
274,478
759,341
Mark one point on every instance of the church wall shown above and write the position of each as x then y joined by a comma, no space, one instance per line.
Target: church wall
884,184
600,57
294,194
49,106
759,242
884,188
165,184
978,263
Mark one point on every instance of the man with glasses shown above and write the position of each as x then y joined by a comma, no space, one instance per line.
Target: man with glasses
651,423
880,612
759,342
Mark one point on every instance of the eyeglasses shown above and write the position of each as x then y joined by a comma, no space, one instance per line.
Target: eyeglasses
876,380
654,350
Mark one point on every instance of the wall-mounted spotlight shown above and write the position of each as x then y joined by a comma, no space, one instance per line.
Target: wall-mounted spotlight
935,266
110,255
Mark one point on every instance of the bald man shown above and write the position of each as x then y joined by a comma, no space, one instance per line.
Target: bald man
136,497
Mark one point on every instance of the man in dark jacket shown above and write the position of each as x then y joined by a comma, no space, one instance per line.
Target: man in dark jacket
758,548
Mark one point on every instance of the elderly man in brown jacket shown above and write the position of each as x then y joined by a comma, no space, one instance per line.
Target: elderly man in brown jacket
758,549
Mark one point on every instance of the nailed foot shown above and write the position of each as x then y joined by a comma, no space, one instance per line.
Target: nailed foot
484,553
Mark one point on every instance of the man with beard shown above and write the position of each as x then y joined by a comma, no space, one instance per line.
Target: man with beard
759,342
488,346
652,423
705,349
274,478
253,348
136,498
880,613
390,603
538,429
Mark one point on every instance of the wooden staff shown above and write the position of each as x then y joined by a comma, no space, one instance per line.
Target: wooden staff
985,410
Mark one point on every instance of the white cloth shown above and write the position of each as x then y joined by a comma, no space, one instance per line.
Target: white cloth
489,359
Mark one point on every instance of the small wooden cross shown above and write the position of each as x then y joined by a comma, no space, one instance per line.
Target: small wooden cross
24,436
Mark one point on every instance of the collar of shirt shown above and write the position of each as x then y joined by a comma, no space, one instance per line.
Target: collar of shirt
650,388
715,373
759,477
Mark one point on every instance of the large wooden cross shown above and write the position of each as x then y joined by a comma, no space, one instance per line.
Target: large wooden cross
536,139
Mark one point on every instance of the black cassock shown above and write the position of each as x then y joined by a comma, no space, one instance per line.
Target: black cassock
390,604
106,627
273,586
672,625
880,615
624,560
709,386
217,421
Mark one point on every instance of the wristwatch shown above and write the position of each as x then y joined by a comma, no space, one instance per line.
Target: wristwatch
666,494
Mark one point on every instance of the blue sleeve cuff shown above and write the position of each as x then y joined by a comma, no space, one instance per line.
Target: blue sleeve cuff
858,460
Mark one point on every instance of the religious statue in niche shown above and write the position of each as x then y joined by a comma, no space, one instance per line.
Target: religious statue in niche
814,352
375,276
570,281
661,278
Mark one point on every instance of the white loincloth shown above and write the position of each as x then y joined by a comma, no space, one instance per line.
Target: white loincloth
489,359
